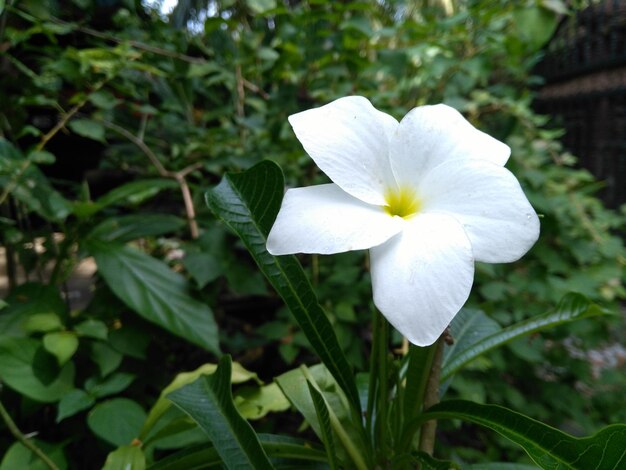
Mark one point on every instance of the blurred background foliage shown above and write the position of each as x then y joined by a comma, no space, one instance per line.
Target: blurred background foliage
116,117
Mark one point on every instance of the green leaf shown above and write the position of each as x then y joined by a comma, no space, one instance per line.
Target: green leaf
238,375
248,203
209,402
105,357
499,466
294,385
26,301
548,447
88,128
257,402
116,421
535,25
41,157
18,371
424,461
92,329
29,185
203,267
74,402
126,458
323,419
61,344
42,322
281,447
130,227
572,307
261,6
111,385
19,457
152,289
135,192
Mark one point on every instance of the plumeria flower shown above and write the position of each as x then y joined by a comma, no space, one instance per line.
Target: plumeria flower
427,196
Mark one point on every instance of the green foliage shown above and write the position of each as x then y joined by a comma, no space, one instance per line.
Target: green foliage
248,203
548,447
92,90
209,402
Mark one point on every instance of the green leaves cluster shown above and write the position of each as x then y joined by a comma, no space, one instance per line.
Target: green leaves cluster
91,90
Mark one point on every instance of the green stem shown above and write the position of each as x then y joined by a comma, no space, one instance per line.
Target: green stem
12,427
383,378
431,397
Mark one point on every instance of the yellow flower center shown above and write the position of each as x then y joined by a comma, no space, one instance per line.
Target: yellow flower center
403,203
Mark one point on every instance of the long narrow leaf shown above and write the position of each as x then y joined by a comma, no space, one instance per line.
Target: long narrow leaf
287,448
548,447
572,307
209,402
248,203
324,420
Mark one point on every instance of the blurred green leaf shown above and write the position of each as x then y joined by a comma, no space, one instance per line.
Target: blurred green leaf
135,192
114,383
152,289
131,227
261,6
92,329
248,203
42,322
548,447
203,267
26,301
128,457
74,402
62,344
116,421
19,457
17,370
209,402
105,357
88,128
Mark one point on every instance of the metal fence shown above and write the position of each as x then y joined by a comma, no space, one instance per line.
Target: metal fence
585,90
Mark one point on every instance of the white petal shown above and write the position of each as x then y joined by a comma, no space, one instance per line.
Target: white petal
430,135
324,219
349,141
422,277
488,200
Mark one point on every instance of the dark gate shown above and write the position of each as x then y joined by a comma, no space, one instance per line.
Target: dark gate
585,72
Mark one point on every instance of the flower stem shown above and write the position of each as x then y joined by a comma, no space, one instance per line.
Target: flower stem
29,444
431,397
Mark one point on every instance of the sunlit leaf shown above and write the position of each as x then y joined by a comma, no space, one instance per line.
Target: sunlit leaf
125,458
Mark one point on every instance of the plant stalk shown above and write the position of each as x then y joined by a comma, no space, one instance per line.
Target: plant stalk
431,397
26,442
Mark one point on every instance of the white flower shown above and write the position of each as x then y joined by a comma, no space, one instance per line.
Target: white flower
427,196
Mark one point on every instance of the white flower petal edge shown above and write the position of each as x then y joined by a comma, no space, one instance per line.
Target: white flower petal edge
431,135
422,277
324,219
490,204
349,140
